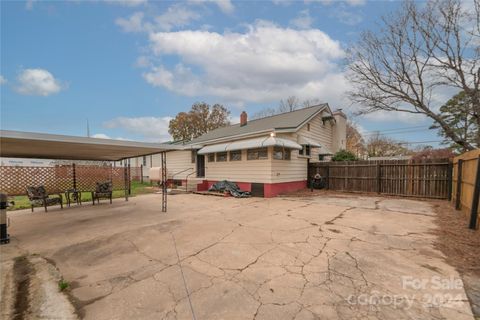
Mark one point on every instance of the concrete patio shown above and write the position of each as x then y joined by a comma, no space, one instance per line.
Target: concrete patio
329,257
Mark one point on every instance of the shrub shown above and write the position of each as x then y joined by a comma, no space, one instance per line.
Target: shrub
344,155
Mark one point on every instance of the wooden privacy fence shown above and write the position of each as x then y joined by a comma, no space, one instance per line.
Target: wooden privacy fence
58,179
426,178
466,185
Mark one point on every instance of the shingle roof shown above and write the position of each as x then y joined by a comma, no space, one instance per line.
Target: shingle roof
287,120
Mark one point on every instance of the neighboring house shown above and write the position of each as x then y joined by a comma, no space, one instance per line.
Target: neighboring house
266,156
22,162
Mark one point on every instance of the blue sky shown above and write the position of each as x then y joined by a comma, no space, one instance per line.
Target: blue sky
129,66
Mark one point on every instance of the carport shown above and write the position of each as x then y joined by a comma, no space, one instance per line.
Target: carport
16,144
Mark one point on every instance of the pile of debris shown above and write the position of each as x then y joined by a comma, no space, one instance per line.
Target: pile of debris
230,187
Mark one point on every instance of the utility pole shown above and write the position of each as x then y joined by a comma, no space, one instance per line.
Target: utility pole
88,129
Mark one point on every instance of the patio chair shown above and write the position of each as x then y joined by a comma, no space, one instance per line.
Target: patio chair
102,191
38,196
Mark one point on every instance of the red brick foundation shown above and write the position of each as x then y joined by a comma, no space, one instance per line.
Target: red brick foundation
270,190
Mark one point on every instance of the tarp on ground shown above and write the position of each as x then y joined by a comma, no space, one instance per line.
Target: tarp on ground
231,187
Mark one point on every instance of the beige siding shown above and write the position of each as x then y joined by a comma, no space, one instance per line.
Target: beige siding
294,169
319,132
177,161
261,171
240,171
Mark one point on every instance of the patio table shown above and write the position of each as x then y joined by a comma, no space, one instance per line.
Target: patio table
73,195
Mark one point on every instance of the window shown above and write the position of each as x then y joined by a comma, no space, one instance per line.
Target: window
211,157
221,156
257,154
236,155
305,151
321,157
144,161
194,156
308,126
280,153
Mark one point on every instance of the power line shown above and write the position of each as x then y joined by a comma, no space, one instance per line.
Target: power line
420,142
396,129
390,133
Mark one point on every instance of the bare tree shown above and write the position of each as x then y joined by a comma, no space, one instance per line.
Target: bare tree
355,142
290,104
381,146
418,53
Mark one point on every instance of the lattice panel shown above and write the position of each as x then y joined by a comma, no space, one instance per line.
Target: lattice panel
136,173
14,180
88,176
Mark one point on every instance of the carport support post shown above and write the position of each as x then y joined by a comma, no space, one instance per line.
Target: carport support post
459,184
74,177
163,157
129,180
125,182
476,196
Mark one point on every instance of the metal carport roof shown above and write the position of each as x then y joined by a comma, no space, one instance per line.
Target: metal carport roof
17,144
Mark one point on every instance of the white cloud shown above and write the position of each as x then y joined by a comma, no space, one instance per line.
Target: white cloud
37,82
356,2
152,128
132,24
175,16
346,16
264,64
303,20
29,4
2,80
353,3
104,136
100,136
395,117
226,6
127,3
282,2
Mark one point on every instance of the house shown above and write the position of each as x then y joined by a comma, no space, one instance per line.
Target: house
266,156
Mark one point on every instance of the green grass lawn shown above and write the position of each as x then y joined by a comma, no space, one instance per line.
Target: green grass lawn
22,202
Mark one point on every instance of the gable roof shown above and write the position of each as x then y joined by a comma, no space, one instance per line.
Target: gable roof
288,121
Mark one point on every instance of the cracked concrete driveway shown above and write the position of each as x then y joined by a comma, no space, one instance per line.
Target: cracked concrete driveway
210,258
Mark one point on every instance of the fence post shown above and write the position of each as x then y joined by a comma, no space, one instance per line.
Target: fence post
459,184
379,178
328,176
74,176
476,195
141,173
449,180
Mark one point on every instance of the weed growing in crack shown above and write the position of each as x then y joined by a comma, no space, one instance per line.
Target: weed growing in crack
63,285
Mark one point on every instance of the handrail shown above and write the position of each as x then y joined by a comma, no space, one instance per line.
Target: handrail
186,180
180,172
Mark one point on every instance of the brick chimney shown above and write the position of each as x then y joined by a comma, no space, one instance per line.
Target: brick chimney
243,119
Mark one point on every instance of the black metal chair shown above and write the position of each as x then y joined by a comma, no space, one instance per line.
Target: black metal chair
38,196
102,191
